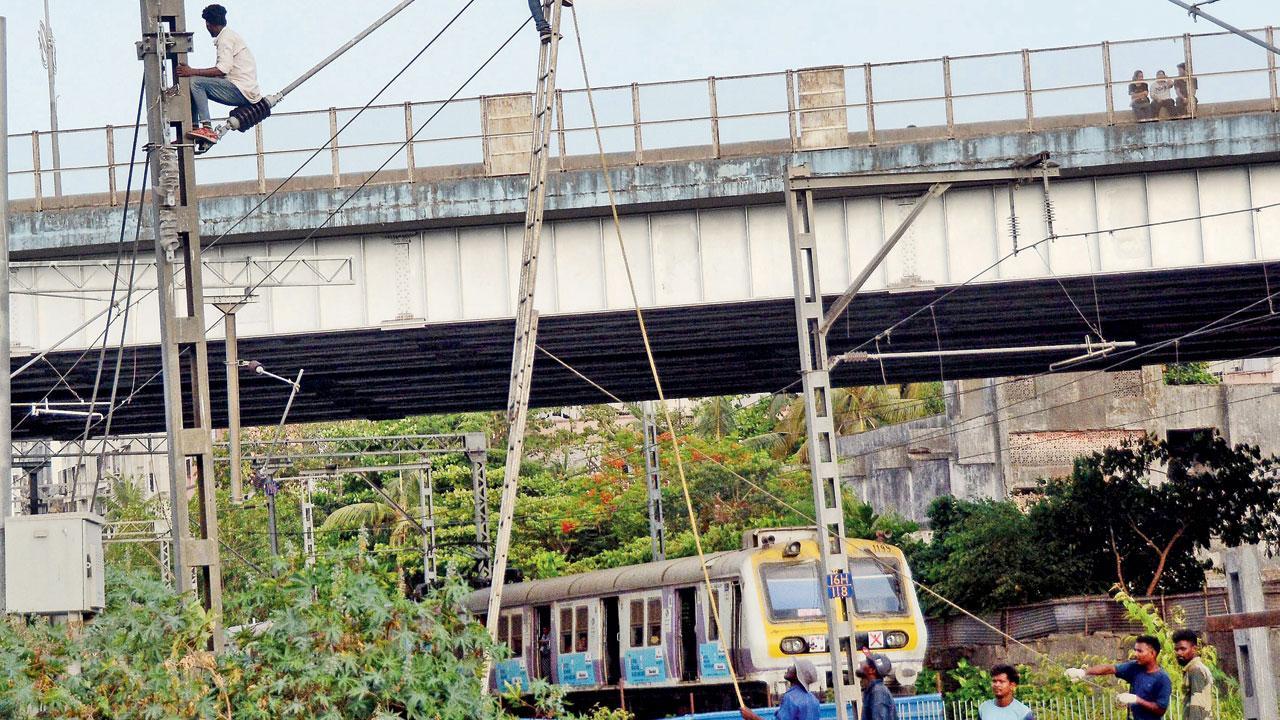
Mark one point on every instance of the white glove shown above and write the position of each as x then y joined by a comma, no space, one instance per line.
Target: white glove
1076,674
1126,698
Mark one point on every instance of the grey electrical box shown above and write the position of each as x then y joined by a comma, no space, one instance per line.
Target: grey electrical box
53,563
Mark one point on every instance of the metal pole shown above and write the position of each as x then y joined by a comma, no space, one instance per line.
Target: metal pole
309,520
843,301
653,482
235,457
49,56
184,350
1195,11
271,517
338,53
821,443
428,538
6,386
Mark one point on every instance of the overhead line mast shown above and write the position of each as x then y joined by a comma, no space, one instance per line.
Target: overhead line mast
184,352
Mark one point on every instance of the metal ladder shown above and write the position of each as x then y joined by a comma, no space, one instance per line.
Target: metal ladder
526,333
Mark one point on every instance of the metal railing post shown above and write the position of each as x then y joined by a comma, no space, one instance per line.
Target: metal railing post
946,93
1271,70
111,165
1190,77
410,164
561,136
791,108
635,122
35,169
261,158
871,104
714,108
1026,89
1106,82
333,147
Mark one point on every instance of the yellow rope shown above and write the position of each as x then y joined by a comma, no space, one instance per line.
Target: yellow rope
653,367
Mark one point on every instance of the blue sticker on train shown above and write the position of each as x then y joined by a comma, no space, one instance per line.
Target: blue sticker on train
511,672
575,670
711,661
645,666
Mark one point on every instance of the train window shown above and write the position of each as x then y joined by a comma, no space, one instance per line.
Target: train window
792,590
581,639
637,623
517,635
655,621
566,630
502,630
720,598
877,586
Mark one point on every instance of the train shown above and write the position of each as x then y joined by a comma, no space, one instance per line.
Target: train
643,636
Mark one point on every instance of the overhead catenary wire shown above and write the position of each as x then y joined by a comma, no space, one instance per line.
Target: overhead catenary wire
115,278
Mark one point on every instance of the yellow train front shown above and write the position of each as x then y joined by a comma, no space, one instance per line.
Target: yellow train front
643,636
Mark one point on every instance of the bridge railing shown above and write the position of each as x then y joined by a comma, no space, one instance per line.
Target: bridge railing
707,118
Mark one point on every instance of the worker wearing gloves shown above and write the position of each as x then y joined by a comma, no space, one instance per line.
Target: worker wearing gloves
1149,685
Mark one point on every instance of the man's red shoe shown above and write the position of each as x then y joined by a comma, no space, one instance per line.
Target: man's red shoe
204,134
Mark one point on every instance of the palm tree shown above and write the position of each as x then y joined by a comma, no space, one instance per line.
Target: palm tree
716,417
377,514
854,409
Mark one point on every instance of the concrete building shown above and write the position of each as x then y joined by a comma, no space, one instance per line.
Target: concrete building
1000,435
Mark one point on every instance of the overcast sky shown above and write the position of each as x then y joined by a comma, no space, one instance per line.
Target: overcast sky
632,40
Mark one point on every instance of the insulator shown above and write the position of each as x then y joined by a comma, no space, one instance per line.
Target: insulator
1049,215
1013,232
246,116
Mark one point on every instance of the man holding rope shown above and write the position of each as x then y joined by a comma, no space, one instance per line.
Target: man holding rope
1149,685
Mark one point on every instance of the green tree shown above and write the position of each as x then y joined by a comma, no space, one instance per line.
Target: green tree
1192,373
1144,511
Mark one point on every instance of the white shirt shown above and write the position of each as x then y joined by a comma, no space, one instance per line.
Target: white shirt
236,61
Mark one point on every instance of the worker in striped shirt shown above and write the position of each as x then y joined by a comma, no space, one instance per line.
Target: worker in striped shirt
1197,678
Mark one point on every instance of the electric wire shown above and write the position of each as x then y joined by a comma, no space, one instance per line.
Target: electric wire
365,183
333,138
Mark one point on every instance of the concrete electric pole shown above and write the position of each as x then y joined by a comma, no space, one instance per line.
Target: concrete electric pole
6,418
184,352
49,56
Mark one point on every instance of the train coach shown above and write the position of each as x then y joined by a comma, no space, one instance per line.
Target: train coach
643,636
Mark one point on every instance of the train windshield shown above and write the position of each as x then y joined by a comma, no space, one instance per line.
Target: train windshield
792,590
877,586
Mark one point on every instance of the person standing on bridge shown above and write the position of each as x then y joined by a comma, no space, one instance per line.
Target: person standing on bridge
797,703
540,18
233,79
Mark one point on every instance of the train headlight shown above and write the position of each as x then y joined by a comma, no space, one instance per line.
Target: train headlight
896,639
794,645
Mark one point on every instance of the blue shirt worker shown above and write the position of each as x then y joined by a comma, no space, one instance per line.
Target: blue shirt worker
877,701
1004,706
797,702
1149,685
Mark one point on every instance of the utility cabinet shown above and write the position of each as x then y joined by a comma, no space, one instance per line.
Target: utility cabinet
54,564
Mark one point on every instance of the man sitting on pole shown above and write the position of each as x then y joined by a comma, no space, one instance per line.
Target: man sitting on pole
233,80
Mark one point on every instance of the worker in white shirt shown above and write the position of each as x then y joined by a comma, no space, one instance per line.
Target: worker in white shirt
233,80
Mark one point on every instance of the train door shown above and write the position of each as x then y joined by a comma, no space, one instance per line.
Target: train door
643,645
612,642
546,641
515,669
686,606
721,637
575,622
